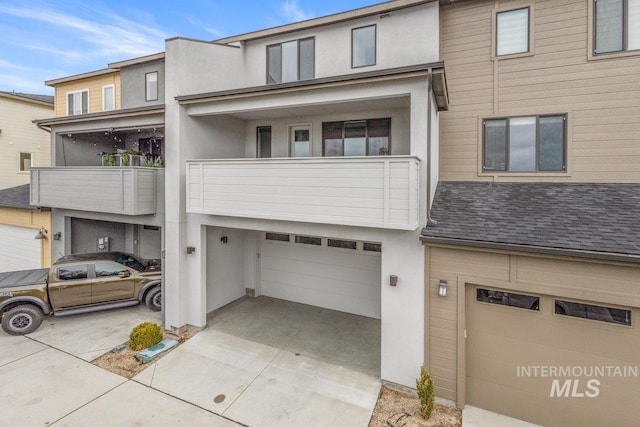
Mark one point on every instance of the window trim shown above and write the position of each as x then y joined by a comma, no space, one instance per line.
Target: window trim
494,33
146,87
366,135
375,45
20,165
112,86
66,100
259,141
536,173
591,36
300,126
281,58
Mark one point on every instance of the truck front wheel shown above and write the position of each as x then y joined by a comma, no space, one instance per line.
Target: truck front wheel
154,299
22,320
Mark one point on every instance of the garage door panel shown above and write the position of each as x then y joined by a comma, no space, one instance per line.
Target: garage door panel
334,278
501,339
18,248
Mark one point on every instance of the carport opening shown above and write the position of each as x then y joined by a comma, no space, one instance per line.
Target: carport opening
316,296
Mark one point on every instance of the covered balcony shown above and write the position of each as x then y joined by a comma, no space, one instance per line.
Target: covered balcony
377,191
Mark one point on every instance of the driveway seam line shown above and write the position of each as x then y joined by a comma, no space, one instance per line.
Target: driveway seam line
253,380
26,355
87,403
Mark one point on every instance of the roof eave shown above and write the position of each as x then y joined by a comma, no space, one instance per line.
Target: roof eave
102,115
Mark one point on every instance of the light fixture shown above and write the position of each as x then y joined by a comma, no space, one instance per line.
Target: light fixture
442,288
42,234
57,236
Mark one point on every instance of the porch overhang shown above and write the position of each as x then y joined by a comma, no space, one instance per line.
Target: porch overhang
103,116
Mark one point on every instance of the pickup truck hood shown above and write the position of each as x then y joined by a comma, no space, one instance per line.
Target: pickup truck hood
12,279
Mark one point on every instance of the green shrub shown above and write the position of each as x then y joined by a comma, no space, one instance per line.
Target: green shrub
145,335
424,384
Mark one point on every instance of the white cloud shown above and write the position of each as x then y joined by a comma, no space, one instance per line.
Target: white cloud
196,23
291,11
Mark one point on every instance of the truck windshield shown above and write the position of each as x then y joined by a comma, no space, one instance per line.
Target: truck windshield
130,262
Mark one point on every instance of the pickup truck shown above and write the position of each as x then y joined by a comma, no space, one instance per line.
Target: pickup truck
75,284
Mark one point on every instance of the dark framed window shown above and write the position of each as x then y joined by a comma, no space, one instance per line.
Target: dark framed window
309,240
151,86
363,46
594,312
25,162
616,26
512,31
372,247
291,61
278,237
492,296
263,142
345,244
357,138
525,144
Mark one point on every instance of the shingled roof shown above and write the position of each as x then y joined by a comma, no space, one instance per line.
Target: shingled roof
16,197
48,99
591,220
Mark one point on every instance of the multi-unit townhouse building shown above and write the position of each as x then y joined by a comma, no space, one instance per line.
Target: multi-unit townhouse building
536,233
22,145
107,130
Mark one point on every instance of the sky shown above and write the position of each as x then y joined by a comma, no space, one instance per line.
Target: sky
48,39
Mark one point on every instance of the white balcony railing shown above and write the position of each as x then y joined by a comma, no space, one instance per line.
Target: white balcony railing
378,192
120,190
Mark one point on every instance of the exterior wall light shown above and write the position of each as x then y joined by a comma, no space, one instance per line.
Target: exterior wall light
442,288
57,236
42,234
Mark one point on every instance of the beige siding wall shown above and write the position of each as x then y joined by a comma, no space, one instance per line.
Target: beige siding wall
31,219
19,135
94,85
601,96
576,279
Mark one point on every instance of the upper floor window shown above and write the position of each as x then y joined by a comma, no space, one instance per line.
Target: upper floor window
525,144
151,86
78,102
108,98
512,32
25,162
291,61
357,138
617,25
363,46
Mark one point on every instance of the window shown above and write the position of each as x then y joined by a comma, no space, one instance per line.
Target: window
291,61
108,98
363,46
72,272
151,86
525,144
593,312
346,244
617,25
107,270
278,237
492,296
78,102
308,240
357,138
372,247
300,141
512,32
264,142
25,162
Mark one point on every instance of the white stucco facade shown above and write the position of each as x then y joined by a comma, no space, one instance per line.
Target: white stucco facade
227,230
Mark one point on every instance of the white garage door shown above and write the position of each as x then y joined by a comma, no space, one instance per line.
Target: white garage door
552,361
338,278
18,248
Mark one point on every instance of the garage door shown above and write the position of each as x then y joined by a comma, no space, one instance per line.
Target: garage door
552,361
18,248
342,275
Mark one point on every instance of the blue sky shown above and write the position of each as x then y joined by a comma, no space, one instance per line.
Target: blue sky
47,39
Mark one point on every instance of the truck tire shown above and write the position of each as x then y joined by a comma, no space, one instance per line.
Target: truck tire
22,320
154,299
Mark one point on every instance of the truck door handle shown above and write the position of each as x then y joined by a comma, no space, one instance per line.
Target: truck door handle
61,287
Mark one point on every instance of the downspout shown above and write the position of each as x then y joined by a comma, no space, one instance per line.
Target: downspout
430,221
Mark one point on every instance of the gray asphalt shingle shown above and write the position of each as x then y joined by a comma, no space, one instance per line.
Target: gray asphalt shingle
16,197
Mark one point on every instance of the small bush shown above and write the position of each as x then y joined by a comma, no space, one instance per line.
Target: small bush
424,384
145,335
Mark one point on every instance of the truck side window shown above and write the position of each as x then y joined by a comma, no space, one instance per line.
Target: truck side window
72,272
107,270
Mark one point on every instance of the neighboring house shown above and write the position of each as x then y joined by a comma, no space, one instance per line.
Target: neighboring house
22,144
300,167
536,232
20,223
107,132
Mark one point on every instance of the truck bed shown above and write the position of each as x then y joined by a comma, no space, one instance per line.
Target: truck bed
23,278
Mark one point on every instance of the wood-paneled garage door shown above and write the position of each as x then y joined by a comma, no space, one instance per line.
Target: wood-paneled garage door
552,361
19,250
